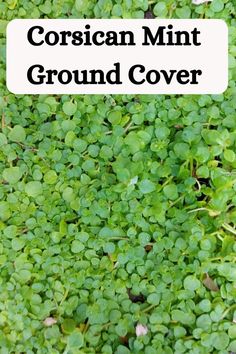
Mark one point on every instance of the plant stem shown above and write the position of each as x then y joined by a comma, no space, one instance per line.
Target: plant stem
229,228
225,313
147,309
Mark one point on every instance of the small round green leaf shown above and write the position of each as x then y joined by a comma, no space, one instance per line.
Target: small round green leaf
33,189
17,134
12,174
69,108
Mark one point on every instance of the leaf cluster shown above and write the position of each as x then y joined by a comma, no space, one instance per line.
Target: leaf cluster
118,210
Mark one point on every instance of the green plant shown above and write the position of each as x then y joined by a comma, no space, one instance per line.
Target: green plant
118,211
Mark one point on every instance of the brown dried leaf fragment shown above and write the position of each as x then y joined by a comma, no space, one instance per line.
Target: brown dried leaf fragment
148,248
124,340
209,283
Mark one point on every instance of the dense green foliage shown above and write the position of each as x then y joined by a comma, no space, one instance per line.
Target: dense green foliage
118,210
